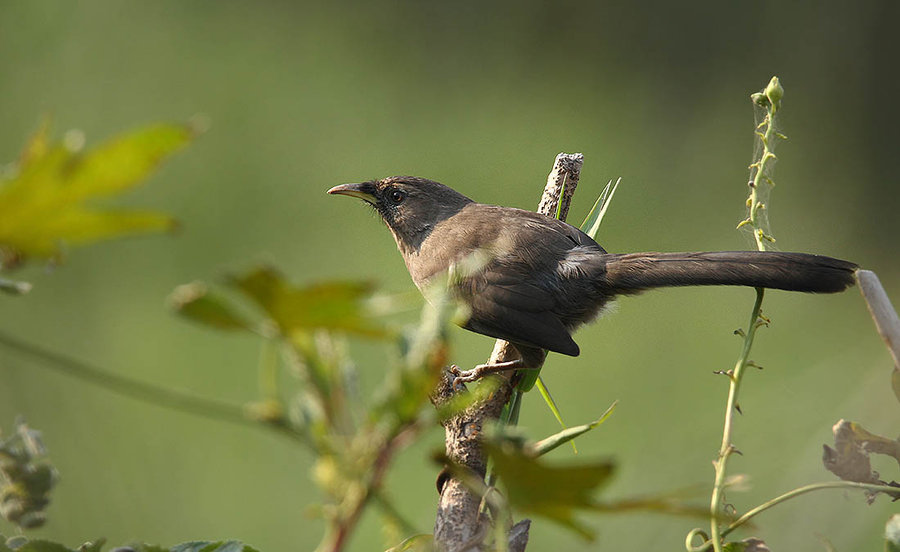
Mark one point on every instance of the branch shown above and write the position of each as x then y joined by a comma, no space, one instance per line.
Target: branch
147,392
459,526
344,527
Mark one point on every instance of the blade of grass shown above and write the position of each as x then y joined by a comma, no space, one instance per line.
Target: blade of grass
591,224
546,445
548,398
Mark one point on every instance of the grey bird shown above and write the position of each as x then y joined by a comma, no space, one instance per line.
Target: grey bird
532,280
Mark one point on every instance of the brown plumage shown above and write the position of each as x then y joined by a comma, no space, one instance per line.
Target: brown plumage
532,280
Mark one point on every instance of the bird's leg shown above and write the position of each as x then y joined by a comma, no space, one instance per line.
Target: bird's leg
481,370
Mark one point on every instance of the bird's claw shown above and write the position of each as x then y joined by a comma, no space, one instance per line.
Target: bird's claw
467,376
461,377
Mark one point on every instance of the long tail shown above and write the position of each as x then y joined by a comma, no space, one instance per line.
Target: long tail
634,272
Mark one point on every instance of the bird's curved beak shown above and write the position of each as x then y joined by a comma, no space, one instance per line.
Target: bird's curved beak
362,191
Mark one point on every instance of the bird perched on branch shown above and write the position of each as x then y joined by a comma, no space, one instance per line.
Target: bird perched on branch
532,280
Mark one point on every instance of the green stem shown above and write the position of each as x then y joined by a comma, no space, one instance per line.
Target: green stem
562,192
754,204
803,490
759,179
268,368
146,392
727,448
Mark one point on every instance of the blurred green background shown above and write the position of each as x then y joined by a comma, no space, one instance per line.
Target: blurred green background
480,96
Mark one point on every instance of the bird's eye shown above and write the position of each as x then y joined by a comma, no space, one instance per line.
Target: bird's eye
396,196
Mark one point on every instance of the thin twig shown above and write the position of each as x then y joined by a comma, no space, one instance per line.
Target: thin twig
750,514
379,470
142,391
727,448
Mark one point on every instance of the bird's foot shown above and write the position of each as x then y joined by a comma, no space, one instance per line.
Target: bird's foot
482,370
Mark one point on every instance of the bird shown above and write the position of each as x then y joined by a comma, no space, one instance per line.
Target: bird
532,280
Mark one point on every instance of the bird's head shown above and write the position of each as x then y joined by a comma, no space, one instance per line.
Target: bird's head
410,206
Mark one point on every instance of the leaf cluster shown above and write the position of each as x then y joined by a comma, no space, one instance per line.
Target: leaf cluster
22,544
310,390
26,478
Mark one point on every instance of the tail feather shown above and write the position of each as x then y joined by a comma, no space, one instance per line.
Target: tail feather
634,272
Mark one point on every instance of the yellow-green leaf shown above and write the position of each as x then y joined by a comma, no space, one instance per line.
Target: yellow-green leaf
196,302
124,161
45,203
422,542
567,434
554,492
339,306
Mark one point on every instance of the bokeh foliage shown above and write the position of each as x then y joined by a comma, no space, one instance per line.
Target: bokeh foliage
303,96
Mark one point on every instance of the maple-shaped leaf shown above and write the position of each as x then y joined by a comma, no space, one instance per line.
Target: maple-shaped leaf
197,302
554,492
338,306
45,199
559,491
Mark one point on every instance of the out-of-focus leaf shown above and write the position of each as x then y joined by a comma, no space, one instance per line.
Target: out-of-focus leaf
37,144
554,492
26,478
752,544
196,302
338,306
13,287
207,546
44,204
408,387
546,445
94,546
416,543
892,534
461,401
43,546
121,163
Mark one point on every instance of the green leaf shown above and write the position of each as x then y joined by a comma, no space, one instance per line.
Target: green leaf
94,546
197,303
548,399
37,144
207,546
546,445
5,544
529,379
123,162
459,402
591,224
554,492
45,204
423,542
42,546
337,306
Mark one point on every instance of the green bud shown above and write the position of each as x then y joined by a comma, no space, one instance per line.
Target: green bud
774,92
758,98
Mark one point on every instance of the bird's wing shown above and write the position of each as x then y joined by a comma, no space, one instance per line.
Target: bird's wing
515,309
507,274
